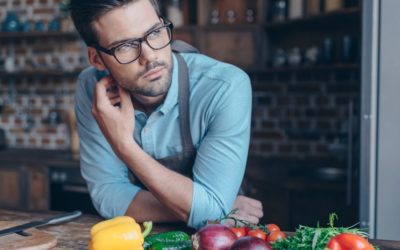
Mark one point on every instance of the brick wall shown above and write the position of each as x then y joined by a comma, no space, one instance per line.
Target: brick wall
34,106
303,113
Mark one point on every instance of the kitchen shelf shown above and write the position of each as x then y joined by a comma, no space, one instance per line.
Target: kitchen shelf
333,18
37,34
40,73
293,69
239,26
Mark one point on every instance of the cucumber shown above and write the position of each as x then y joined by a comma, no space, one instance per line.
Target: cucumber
165,237
178,245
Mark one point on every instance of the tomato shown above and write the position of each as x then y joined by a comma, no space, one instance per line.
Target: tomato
272,227
247,230
257,233
275,236
348,241
239,231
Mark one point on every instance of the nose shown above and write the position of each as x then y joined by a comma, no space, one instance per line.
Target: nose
148,54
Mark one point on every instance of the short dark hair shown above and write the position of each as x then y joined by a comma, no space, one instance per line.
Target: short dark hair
84,12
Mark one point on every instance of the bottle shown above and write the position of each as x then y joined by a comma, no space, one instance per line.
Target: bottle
11,23
328,50
214,16
296,9
174,13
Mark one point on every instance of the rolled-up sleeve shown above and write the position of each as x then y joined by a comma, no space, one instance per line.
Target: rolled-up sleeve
105,174
221,157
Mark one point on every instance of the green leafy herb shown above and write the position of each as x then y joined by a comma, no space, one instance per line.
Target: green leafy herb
315,238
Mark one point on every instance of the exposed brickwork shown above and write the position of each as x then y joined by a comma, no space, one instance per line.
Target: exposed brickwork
301,114
33,107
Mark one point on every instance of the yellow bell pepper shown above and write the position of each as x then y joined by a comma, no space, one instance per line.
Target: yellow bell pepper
120,233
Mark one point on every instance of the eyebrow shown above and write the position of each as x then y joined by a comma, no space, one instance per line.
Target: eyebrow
113,44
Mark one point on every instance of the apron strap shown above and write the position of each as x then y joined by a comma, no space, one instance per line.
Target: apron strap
183,47
183,104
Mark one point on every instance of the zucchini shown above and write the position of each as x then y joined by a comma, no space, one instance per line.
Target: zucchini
165,237
178,245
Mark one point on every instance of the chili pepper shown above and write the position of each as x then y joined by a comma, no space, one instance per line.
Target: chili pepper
120,233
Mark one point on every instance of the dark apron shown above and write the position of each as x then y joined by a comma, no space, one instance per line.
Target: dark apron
182,162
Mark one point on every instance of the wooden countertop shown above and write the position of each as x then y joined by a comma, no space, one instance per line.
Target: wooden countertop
75,234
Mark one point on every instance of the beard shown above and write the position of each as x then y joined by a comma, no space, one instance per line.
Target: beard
156,87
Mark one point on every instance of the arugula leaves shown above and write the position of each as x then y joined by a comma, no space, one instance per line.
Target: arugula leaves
315,238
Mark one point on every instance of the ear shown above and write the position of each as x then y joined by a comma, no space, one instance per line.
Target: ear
94,59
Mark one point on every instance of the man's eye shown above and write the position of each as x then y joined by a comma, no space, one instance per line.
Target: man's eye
154,33
127,47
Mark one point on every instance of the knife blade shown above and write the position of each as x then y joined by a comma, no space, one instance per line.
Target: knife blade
34,224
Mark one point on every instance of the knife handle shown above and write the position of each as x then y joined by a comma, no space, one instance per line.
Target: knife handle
63,217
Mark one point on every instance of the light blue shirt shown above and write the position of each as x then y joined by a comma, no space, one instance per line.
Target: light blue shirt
220,114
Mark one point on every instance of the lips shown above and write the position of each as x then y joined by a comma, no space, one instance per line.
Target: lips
153,73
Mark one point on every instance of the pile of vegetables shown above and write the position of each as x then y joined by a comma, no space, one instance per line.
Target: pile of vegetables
215,236
331,237
124,233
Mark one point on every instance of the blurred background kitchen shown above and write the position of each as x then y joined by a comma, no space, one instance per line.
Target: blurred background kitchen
317,70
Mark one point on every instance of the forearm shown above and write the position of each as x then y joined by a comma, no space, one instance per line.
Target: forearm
145,207
170,188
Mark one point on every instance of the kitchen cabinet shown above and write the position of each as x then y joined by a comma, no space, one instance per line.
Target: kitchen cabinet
25,177
37,188
248,33
230,31
23,187
12,181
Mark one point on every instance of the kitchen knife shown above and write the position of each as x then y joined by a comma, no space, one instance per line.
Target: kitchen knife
50,221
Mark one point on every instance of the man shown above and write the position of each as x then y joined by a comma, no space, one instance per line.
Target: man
177,123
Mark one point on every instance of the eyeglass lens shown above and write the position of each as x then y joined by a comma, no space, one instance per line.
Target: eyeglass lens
130,51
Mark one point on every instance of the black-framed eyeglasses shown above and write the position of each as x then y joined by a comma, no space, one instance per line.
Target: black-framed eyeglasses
131,50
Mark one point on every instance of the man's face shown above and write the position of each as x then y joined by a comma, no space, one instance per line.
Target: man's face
150,74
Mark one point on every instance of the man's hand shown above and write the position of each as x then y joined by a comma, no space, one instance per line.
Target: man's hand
248,209
115,121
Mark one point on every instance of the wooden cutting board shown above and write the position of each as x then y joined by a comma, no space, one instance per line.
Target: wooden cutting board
37,240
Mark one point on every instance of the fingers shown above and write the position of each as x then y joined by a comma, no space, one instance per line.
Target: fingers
251,212
258,213
100,97
107,92
245,217
126,101
249,209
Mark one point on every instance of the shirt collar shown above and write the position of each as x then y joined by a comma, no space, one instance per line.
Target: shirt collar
172,96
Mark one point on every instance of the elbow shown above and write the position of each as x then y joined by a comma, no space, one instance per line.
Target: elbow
213,209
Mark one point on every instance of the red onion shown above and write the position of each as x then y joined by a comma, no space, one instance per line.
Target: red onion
250,243
213,237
